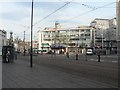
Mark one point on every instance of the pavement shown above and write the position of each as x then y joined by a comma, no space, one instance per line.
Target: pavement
56,72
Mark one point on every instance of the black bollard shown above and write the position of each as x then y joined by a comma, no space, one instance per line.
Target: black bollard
76,56
98,58
86,57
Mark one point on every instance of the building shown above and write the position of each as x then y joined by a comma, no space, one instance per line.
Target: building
3,39
111,35
105,33
73,39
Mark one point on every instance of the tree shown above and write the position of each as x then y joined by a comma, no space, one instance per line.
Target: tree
64,39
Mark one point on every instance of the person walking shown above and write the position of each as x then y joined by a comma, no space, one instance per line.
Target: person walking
8,56
76,56
67,54
98,54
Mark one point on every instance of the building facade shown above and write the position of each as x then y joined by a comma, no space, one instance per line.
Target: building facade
105,34
3,39
75,39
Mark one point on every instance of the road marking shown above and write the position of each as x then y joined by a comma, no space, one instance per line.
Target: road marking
95,60
103,60
114,61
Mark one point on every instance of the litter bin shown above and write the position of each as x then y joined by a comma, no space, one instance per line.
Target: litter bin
7,54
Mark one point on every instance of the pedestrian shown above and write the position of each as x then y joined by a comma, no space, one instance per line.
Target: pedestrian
76,56
98,54
15,54
52,52
8,56
67,54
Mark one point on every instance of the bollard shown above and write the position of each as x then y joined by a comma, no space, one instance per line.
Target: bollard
76,56
15,55
86,57
98,58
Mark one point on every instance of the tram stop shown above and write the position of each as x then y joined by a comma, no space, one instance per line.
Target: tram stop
8,54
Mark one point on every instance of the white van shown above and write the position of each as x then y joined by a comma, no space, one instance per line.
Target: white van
89,52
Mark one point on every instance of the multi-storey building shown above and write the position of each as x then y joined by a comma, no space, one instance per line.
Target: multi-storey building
105,33
3,39
74,39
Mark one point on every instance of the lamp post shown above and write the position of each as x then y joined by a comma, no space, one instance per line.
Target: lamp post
24,43
102,36
118,27
102,41
11,39
31,54
93,23
76,48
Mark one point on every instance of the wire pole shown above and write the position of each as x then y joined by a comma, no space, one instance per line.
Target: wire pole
118,27
24,43
31,54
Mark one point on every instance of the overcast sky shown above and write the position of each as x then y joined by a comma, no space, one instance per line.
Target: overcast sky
15,14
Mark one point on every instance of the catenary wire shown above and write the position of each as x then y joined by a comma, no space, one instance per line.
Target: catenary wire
90,11
52,13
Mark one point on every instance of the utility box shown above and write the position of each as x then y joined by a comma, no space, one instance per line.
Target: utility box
8,53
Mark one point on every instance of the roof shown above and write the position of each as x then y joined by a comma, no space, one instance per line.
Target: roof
58,46
62,29
3,31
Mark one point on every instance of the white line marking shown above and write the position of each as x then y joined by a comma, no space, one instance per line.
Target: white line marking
95,60
114,61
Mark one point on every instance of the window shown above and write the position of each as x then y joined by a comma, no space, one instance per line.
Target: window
82,34
87,34
82,30
87,30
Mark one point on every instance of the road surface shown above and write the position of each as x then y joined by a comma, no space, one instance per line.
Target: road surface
59,72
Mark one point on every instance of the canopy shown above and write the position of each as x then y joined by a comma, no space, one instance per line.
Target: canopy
58,46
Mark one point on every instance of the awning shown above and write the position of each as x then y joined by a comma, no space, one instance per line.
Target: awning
58,46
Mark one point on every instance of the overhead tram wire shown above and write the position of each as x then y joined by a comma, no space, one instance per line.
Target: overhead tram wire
83,5
90,11
66,3
25,26
52,13
43,18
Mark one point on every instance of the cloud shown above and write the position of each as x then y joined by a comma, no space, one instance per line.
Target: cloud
16,16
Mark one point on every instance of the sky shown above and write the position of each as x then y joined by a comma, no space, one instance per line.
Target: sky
15,15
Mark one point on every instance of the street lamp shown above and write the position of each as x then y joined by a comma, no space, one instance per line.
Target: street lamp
118,26
24,43
92,24
77,44
31,54
11,39
76,48
102,35
102,40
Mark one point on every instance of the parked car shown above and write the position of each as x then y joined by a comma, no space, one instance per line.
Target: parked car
89,52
